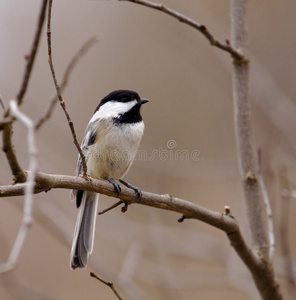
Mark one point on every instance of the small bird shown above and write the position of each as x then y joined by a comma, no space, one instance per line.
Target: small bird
110,144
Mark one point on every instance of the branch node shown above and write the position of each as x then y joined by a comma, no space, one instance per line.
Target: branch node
239,58
227,211
180,220
124,208
250,178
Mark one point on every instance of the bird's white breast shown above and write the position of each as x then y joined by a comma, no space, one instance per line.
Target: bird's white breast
114,149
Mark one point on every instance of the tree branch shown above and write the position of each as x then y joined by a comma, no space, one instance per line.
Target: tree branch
260,269
31,57
247,163
62,102
237,55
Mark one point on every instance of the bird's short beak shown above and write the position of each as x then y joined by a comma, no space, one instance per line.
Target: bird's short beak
143,101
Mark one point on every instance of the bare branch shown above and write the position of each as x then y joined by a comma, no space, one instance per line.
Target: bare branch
236,54
284,234
110,207
247,162
109,284
267,209
62,102
72,64
18,173
260,269
29,189
32,55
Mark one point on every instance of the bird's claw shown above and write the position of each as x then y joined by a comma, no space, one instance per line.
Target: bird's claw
137,190
117,188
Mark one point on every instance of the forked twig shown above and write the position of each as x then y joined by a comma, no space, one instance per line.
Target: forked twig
58,90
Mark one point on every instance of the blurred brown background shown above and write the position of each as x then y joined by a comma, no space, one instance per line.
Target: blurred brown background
146,252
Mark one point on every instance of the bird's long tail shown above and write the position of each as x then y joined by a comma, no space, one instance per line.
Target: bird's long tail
83,239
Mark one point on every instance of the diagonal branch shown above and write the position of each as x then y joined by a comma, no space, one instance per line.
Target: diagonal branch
58,89
236,54
109,284
32,55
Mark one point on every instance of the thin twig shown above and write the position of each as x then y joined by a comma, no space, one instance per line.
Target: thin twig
109,284
110,207
268,210
72,64
236,54
62,102
284,234
29,189
32,55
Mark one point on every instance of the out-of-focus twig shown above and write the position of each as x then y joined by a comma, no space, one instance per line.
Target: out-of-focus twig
268,210
284,234
29,188
2,103
109,284
32,55
236,54
61,100
72,64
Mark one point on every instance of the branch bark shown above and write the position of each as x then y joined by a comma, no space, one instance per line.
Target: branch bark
247,162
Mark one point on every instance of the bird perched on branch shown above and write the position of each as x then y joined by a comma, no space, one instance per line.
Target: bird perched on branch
110,144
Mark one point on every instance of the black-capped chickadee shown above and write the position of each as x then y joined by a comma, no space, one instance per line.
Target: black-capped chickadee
111,141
